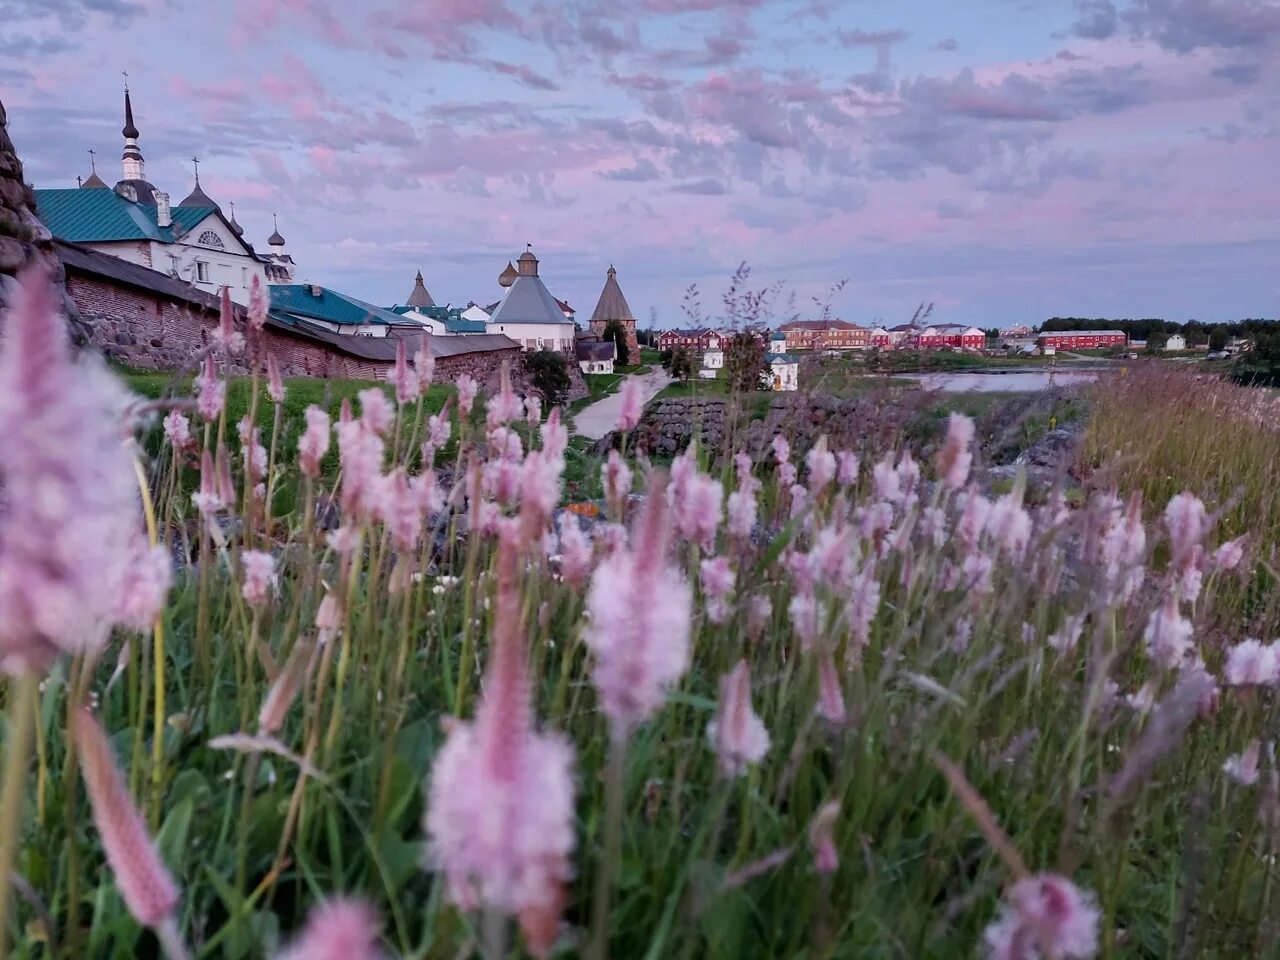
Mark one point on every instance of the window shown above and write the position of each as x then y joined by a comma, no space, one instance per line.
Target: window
202,271
244,277
210,239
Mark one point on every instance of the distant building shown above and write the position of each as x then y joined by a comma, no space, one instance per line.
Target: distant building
880,338
595,356
825,335
1176,342
713,359
955,336
612,306
311,306
782,372
1082,339
530,315
694,340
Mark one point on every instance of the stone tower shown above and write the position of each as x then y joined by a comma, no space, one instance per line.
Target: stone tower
612,305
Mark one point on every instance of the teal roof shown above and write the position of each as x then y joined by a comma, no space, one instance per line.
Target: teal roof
330,306
464,326
97,216
778,335
451,317
783,357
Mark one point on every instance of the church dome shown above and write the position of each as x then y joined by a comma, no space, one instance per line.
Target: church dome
275,239
197,198
508,276
94,182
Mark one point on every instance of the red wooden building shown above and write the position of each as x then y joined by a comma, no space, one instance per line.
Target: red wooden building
1082,339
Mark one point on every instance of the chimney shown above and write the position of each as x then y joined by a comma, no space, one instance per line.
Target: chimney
317,290
163,217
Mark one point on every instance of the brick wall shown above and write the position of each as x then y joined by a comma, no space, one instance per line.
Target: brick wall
155,333
633,345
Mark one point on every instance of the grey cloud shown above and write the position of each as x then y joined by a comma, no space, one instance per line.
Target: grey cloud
865,38
947,44
706,187
1186,25
642,172
1244,74
25,45
1095,19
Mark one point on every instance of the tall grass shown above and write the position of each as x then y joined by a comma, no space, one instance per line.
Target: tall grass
890,620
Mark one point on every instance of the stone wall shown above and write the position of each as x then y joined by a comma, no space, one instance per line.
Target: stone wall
23,238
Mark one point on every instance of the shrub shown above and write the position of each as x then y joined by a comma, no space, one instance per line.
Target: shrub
549,373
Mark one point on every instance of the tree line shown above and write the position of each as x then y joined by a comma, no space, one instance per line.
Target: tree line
1156,330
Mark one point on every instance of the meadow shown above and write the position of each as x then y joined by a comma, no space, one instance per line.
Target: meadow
355,686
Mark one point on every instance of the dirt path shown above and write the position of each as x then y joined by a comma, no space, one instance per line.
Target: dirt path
602,416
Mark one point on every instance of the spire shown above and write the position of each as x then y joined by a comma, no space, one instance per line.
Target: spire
239,230
132,156
419,297
275,239
612,305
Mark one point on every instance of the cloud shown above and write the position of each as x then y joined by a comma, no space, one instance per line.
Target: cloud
526,75
697,6
947,44
643,171
1186,25
25,45
864,38
706,187
447,26
1244,74
1095,19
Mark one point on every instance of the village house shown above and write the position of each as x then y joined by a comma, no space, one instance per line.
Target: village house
825,335
695,340
782,372
595,356
955,336
1081,339
1176,341
135,221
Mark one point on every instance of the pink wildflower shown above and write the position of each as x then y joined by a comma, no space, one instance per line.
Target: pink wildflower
500,813
616,477
1186,518
360,454
1229,554
402,377
955,458
759,613
1010,525
742,510
539,489
822,466
467,390
227,336
717,578
737,732
1252,663
400,507
822,838
847,471
908,476
211,393
1045,916
830,696
1168,635
885,481
328,619
439,429
976,571
255,454
632,406
575,552
177,430
1123,548
275,382
864,604
376,412
640,647
787,474
259,577
698,516
206,499
555,436
1243,766
799,500
147,579
504,406
805,618
975,511
314,442
424,365
145,885
337,930
285,689
70,518
258,306
612,537
781,448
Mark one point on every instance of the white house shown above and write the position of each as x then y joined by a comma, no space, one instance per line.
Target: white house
530,315
596,356
1176,342
135,221
713,358
783,372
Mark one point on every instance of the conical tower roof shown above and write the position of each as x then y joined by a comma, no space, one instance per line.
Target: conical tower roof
612,305
419,297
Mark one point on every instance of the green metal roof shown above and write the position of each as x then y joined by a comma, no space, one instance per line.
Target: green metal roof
330,306
97,216
464,326
451,317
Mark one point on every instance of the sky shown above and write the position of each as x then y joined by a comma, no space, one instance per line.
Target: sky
1006,161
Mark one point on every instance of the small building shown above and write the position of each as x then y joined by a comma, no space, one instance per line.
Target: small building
880,338
595,356
782,373
956,336
1082,339
327,309
695,340
713,359
1176,341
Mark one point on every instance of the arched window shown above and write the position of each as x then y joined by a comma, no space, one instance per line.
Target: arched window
210,239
